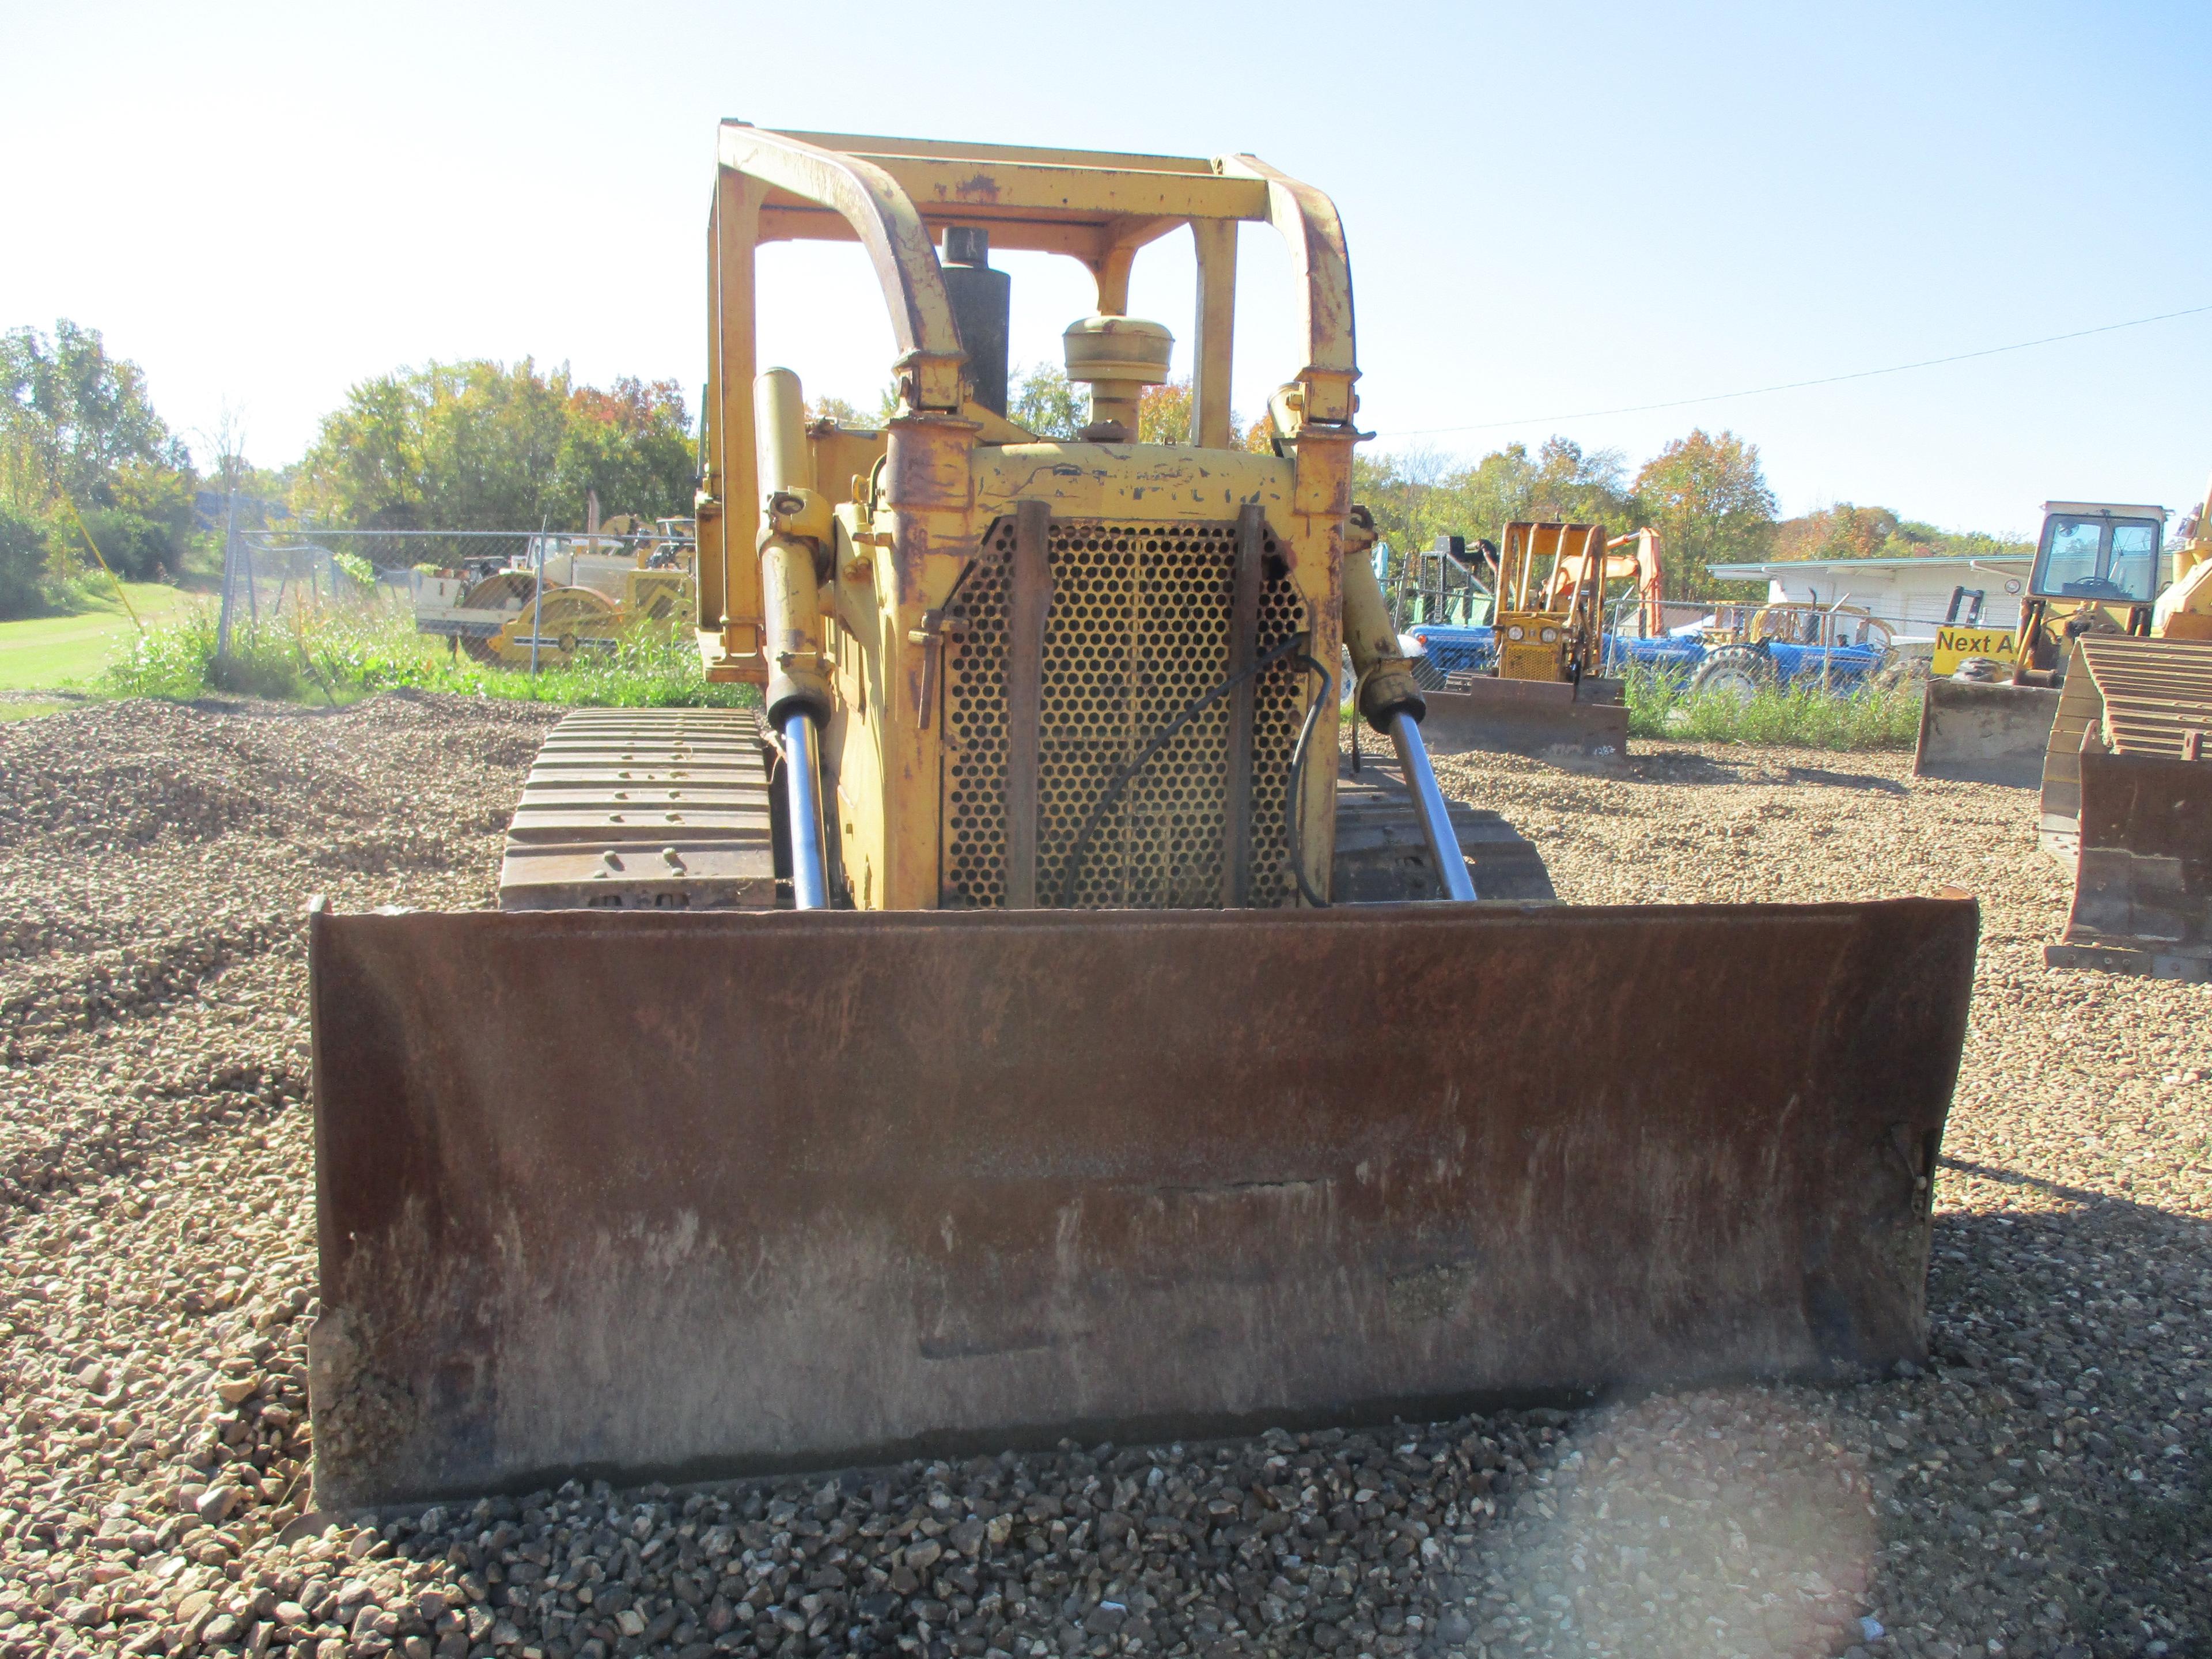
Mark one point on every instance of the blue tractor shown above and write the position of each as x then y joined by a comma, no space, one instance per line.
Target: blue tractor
1740,648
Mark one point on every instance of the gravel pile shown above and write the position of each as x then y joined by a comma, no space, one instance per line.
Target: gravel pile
2040,1489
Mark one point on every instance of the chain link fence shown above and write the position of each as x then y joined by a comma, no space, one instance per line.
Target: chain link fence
269,574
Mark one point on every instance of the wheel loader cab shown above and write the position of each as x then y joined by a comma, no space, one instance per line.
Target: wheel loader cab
2099,553
2097,568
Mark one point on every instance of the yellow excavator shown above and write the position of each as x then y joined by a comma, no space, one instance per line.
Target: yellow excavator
1023,1024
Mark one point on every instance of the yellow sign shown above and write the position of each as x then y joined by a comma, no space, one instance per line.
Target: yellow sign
1954,645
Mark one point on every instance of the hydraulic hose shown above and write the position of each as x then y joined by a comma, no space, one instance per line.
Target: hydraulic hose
1429,806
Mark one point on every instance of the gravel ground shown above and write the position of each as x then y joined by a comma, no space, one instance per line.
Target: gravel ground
2042,1488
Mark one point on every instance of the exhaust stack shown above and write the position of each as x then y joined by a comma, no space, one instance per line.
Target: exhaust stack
982,303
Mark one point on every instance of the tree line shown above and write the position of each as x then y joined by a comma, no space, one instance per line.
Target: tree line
82,456
480,445
483,445
1705,493
87,462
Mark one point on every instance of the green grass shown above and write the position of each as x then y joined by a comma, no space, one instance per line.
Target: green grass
341,653
47,653
344,653
1802,716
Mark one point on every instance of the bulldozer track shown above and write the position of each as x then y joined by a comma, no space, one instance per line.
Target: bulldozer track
669,810
644,809
1382,858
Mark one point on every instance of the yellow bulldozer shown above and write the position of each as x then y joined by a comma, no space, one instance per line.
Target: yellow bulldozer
986,1041
562,598
2109,711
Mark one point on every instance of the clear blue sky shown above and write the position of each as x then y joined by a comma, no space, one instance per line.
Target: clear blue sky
1551,208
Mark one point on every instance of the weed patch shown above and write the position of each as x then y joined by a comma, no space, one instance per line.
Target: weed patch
1871,716
340,654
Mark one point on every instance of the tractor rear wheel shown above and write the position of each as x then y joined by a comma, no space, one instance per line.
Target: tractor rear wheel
1741,670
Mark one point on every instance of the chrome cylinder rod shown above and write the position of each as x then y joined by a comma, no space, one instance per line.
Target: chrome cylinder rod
1429,806
802,779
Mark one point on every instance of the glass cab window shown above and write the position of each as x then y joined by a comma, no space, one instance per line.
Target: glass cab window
2084,557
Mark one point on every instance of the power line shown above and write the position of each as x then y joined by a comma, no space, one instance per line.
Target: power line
1797,385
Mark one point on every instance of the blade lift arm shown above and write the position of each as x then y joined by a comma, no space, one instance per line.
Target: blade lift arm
1392,704
793,561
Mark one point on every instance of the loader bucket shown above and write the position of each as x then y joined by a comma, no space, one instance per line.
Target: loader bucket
2142,886
1527,717
675,1195
1977,733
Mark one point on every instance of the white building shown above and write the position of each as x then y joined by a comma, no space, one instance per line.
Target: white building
1911,595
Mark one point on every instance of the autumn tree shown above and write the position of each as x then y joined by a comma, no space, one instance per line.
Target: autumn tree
1164,414
72,418
630,443
1848,531
1708,498
836,410
479,445
1418,495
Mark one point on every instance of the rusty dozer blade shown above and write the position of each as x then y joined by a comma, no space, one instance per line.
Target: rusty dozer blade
1527,717
2142,886
2127,803
669,1195
1977,732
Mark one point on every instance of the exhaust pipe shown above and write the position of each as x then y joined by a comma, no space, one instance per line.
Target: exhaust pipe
1429,806
791,575
982,305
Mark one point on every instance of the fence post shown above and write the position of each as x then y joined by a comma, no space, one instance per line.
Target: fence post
229,566
537,599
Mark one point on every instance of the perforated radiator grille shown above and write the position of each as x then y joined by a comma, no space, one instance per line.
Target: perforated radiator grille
1138,631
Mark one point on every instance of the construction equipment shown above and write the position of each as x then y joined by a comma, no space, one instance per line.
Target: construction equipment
2127,806
561,597
2108,709
2127,789
1443,583
1443,605
1074,1092
1543,691
1836,647
2098,563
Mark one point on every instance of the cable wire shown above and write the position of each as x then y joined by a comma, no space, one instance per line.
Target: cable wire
1799,386
1073,868
1290,820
